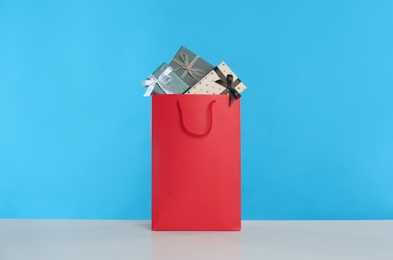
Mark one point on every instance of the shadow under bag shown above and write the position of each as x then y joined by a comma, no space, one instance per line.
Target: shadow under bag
195,163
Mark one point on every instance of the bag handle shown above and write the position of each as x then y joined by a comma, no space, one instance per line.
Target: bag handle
210,123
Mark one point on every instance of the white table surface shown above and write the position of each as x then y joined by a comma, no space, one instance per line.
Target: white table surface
117,240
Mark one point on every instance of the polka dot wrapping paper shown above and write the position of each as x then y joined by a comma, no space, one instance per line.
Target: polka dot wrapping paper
208,85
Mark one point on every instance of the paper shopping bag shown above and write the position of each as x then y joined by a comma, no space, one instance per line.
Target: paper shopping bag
195,162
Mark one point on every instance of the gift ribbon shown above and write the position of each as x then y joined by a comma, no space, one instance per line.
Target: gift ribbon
196,74
229,84
162,81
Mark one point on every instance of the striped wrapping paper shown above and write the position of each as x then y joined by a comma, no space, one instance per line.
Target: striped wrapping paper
176,83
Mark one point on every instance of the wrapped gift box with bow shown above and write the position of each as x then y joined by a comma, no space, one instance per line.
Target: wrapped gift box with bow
189,66
164,81
219,81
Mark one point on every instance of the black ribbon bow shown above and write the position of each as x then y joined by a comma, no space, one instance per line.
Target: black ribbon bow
229,84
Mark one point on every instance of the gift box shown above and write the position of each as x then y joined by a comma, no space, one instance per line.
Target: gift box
209,84
220,81
189,66
164,81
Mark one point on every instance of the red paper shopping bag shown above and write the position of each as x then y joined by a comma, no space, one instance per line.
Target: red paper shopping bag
195,162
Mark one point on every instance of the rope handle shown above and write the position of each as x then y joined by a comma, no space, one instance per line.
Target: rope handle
210,121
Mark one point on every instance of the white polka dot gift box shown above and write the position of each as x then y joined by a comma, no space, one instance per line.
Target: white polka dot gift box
220,81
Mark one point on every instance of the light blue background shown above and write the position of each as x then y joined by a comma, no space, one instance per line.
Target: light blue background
317,117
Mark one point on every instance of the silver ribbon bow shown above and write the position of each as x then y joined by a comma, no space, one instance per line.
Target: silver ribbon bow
162,81
196,74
